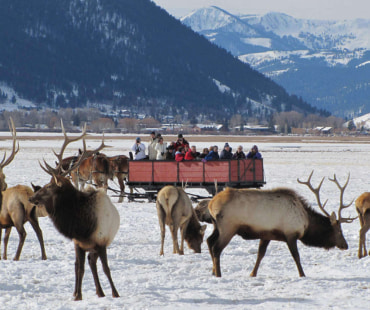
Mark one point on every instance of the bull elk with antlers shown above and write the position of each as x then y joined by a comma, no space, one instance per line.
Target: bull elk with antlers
16,210
87,217
279,214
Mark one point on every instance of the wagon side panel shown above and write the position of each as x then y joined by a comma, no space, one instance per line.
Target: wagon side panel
165,172
191,172
217,170
140,171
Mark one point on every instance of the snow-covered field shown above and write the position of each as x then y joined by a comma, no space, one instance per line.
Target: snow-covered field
334,279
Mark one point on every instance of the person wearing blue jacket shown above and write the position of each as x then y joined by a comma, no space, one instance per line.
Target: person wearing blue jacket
254,153
213,154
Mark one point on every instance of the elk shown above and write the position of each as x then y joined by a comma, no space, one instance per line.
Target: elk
362,204
119,168
87,217
174,209
278,214
15,209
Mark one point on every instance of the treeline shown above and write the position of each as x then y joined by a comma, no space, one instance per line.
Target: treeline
48,119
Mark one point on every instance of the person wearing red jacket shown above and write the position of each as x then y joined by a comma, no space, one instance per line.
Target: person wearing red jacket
180,154
192,154
181,142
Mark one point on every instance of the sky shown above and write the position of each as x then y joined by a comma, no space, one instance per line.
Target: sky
310,9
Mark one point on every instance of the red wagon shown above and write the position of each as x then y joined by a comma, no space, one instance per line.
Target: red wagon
152,175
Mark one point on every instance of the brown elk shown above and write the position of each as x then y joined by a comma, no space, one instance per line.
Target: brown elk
362,204
174,208
119,168
279,214
87,217
15,209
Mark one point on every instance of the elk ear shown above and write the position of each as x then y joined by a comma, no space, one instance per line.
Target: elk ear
333,218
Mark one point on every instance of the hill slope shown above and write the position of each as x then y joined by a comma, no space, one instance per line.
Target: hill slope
68,53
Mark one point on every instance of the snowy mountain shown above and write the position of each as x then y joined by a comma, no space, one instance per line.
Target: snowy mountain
325,62
129,55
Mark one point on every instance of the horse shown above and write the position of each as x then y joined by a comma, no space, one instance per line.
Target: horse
95,168
119,169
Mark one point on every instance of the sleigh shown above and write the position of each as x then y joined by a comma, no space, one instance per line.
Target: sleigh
213,176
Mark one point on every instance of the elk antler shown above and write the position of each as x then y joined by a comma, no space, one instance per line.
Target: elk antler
316,191
7,161
341,205
85,154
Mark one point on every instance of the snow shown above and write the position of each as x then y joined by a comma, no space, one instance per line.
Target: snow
264,42
334,279
7,105
362,121
221,87
255,59
363,64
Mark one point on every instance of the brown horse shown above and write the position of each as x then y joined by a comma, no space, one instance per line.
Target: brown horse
119,169
95,168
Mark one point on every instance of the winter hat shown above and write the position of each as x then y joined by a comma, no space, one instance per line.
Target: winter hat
138,139
255,148
179,135
226,145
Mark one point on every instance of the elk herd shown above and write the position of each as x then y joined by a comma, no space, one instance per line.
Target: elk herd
87,216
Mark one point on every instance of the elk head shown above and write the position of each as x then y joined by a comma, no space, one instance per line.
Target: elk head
6,161
335,220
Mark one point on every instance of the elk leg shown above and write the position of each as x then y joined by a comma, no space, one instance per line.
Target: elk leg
36,227
102,252
261,253
161,218
79,271
292,244
22,237
365,226
183,233
6,239
92,258
210,242
219,244
174,228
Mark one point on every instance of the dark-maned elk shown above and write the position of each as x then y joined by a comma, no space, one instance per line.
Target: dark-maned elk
87,217
279,214
94,168
362,204
119,168
174,209
15,209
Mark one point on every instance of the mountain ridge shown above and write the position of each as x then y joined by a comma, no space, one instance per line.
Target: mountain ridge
291,51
